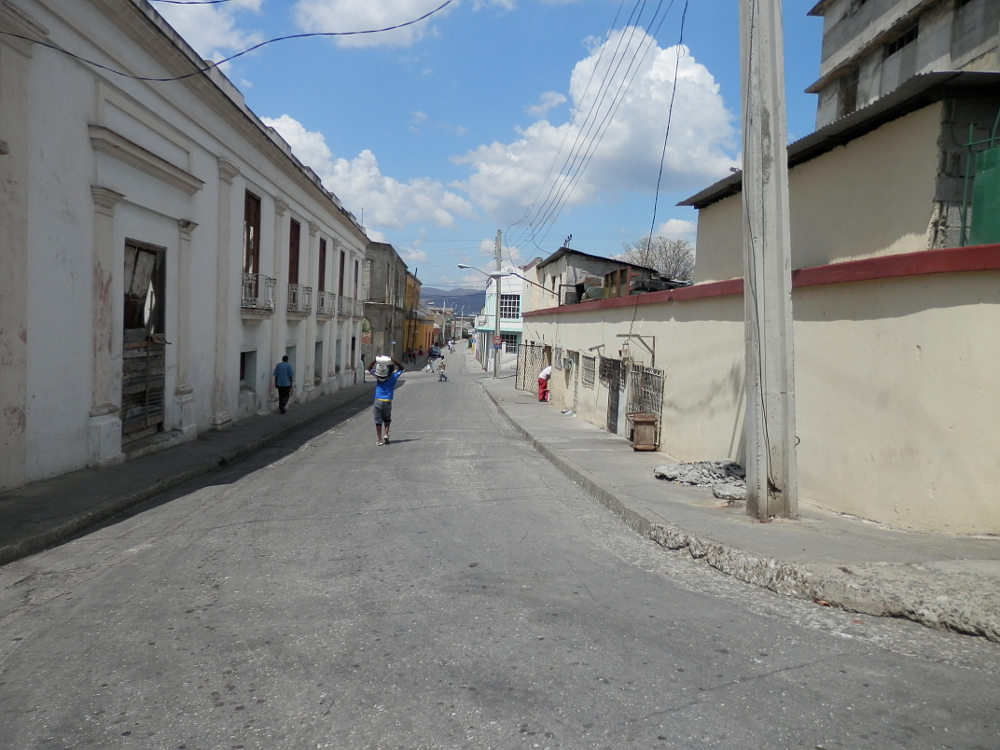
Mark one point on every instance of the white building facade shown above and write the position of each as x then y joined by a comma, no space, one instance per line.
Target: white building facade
160,247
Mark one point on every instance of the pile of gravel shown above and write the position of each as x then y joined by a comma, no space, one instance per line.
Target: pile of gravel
726,478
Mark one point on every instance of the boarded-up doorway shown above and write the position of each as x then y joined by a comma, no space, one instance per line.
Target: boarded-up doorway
144,350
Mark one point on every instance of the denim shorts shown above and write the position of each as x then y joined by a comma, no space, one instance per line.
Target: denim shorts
383,411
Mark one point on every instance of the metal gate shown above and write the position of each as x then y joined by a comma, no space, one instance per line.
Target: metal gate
530,362
645,393
143,345
614,369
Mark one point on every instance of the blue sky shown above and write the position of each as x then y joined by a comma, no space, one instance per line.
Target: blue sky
541,118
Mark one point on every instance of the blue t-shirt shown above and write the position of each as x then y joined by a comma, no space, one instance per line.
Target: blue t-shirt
385,388
283,374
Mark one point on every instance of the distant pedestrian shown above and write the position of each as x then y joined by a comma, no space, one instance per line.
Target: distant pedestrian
441,376
284,379
543,383
386,371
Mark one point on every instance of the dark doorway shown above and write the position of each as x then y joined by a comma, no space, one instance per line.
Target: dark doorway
143,345
614,383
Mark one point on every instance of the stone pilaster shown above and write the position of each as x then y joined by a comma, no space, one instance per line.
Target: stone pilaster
279,321
224,249
104,433
183,392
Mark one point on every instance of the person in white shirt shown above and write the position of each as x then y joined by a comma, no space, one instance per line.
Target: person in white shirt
543,383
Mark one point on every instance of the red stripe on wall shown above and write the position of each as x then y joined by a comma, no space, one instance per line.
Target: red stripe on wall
948,260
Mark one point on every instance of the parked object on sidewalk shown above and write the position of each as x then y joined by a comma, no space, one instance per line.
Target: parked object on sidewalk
644,431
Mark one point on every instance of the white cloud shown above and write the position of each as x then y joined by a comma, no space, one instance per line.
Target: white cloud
507,176
211,29
678,229
412,254
360,184
352,15
546,101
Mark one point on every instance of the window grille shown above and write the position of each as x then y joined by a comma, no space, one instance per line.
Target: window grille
588,370
910,35
510,306
557,357
605,371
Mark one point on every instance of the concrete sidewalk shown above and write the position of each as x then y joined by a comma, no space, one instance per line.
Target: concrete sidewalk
45,513
939,580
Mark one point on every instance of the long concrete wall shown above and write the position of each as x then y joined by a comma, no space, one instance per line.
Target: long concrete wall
895,366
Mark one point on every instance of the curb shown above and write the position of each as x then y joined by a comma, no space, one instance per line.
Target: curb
862,590
78,522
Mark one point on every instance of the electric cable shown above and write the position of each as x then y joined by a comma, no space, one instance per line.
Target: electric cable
589,118
666,135
217,63
591,144
593,129
583,97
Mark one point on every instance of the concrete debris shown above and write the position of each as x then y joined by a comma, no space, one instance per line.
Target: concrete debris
726,478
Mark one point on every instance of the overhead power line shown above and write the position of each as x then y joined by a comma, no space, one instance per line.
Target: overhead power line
217,63
539,218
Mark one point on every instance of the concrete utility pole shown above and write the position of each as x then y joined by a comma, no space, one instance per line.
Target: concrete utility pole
772,473
496,333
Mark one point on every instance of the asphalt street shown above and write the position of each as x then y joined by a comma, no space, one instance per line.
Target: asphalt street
450,590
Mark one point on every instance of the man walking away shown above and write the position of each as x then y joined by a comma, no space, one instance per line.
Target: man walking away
386,371
441,375
284,379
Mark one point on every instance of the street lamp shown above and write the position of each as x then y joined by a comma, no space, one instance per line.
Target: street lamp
496,276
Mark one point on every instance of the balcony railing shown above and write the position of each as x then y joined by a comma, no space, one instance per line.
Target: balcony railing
326,303
300,299
359,308
345,306
258,292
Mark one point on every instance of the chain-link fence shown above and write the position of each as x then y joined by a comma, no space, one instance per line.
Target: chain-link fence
530,362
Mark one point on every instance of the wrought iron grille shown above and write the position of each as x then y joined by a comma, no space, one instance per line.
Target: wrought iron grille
645,392
258,292
326,303
345,306
588,371
299,299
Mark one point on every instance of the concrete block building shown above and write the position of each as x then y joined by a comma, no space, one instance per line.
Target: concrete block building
870,47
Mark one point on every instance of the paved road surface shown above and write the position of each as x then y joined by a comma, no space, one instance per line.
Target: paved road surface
450,590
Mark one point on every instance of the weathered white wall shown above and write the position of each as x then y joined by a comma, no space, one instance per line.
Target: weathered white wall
895,391
830,199
699,345
896,402
169,172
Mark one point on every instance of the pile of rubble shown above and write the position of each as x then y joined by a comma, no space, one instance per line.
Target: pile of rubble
726,478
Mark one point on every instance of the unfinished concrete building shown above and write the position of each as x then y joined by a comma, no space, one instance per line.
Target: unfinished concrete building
870,47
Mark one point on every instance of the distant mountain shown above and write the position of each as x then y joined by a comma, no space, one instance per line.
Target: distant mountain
471,299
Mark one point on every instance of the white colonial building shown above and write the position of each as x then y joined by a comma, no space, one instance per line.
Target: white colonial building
160,247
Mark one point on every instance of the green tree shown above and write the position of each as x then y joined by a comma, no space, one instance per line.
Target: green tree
672,258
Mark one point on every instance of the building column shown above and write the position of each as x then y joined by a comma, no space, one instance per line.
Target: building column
104,428
183,392
15,151
312,273
279,321
220,390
